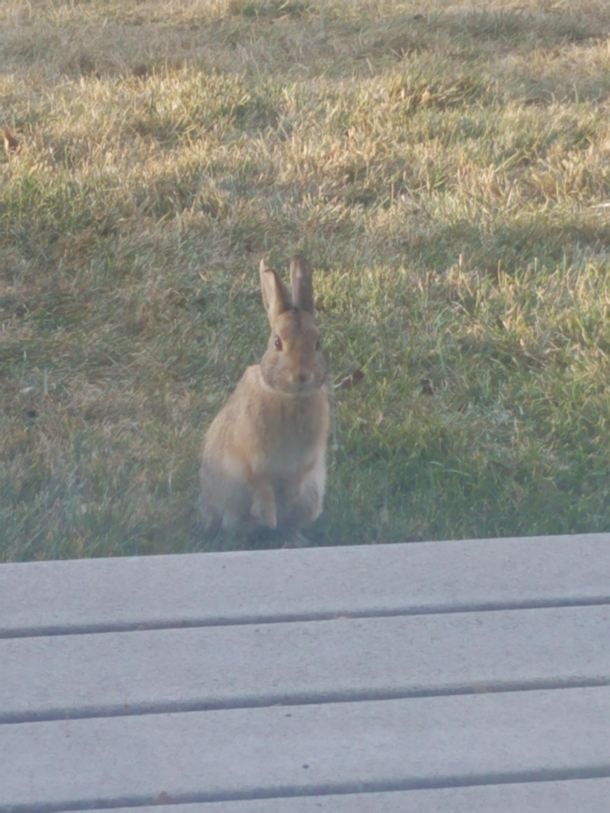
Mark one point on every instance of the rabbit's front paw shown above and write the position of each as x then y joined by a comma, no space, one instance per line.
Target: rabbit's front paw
263,508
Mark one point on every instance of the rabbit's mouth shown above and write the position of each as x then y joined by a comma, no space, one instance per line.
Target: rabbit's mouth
294,386
307,382
304,387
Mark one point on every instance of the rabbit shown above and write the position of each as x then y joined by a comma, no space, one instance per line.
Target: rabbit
264,455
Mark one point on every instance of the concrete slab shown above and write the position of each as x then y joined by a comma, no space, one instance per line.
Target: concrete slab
317,749
246,587
302,662
581,796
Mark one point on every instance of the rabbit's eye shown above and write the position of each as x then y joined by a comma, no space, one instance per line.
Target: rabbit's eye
278,343
318,345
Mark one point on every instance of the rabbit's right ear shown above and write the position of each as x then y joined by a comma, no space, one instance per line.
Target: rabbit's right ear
276,296
301,279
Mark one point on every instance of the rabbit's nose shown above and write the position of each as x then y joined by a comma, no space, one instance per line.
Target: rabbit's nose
305,378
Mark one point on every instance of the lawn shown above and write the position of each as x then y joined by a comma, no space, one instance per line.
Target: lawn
444,165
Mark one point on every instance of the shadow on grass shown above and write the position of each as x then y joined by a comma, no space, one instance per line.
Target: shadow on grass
508,246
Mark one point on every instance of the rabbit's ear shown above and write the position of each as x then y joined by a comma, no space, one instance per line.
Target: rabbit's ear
276,297
301,278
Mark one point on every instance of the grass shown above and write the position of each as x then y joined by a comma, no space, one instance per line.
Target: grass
445,166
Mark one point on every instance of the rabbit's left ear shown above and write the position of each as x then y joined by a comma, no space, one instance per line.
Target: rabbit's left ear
276,297
301,279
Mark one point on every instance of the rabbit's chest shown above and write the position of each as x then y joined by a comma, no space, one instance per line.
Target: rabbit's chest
292,437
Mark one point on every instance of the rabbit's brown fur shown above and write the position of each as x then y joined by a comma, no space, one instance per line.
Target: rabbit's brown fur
264,456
